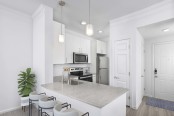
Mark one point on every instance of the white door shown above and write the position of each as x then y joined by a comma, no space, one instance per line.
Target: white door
164,65
121,65
142,69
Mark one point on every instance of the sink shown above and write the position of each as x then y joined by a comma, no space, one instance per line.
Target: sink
74,82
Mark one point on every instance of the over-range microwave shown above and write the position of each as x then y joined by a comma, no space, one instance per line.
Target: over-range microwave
80,58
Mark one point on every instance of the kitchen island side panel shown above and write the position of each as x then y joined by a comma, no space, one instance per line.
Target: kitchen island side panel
116,108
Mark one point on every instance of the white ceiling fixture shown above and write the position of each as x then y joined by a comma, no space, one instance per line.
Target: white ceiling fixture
157,30
89,26
83,23
166,30
61,36
100,31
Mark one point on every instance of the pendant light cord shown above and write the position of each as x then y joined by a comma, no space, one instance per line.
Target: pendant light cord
61,20
89,11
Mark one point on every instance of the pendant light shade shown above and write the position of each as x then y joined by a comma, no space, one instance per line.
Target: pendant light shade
89,30
89,26
61,36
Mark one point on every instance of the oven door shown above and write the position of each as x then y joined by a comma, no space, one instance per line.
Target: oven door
79,58
86,78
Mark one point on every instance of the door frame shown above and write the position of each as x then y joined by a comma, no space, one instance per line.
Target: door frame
130,80
153,64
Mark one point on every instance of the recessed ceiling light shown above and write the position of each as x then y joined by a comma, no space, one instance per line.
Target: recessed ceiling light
83,23
166,30
100,31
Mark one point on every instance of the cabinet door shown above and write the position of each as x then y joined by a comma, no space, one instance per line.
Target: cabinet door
58,48
103,48
72,45
88,49
84,46
99,44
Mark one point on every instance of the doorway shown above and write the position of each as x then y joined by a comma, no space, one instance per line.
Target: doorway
164,70
121,66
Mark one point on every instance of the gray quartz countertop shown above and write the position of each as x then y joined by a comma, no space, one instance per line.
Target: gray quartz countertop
91,93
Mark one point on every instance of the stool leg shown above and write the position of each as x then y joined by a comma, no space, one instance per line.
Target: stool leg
38,111
29,107
41,111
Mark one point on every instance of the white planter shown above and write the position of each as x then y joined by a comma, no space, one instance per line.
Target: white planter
24,101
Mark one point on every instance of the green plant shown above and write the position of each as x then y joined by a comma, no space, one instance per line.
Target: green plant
26,82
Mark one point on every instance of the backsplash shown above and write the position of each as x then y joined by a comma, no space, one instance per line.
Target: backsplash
58,69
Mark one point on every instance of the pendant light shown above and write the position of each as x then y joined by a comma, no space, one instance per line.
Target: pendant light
89,27
61,36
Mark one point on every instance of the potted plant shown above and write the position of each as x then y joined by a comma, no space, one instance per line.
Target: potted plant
26,83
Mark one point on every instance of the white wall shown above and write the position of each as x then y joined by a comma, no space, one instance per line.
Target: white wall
16,53
149,79
43,45
126,28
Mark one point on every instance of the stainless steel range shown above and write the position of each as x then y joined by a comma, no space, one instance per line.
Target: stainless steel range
85,76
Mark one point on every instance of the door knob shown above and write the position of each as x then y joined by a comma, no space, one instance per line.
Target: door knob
116,77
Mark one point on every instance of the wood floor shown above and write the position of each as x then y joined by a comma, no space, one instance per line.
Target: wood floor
144,110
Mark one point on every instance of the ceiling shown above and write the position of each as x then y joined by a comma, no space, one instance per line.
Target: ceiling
102,11
156,30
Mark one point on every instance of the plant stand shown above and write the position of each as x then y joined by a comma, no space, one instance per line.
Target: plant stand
24,102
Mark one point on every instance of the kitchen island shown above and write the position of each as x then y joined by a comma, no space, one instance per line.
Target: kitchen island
97,99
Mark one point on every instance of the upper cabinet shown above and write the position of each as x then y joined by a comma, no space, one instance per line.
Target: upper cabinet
58,47
101,47
76,43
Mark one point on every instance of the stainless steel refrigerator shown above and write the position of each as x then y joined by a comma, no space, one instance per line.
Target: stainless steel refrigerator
103,70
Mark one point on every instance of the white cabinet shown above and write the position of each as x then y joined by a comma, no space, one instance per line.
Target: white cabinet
75,43
101,47
58,48
63,52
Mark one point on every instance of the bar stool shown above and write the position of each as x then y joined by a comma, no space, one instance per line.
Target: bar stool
46,105
69,112
34,99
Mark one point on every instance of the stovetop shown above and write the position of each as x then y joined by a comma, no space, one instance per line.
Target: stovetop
86,74
79,72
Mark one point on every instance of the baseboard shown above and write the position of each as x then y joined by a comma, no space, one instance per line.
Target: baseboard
9,110
138,104
148,95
